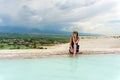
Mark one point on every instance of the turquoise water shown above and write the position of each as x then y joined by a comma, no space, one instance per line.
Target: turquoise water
93,67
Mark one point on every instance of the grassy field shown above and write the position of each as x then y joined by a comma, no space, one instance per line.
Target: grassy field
30,41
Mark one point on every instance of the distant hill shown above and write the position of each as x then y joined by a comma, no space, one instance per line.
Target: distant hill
24,30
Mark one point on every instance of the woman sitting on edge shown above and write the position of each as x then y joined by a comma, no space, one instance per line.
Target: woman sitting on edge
74,47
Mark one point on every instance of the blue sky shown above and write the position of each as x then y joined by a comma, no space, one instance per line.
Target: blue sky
87,16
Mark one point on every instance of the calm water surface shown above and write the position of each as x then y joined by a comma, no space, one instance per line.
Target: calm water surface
92,67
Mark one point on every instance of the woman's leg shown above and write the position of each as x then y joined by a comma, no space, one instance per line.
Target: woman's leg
74,49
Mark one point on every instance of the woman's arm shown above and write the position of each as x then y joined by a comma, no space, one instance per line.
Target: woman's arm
78,40
74,52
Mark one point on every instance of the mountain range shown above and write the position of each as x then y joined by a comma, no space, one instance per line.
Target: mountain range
10,30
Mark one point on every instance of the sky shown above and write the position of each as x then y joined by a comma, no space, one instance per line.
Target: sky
86,16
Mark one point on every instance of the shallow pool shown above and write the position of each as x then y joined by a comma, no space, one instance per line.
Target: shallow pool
92,67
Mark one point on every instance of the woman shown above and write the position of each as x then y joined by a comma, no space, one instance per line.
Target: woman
74,47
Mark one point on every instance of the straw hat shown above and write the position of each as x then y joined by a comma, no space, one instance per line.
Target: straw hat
75,31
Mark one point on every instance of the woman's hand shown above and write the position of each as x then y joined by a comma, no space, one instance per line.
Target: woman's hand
71,49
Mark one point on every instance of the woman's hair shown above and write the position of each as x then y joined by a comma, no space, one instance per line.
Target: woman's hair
75,32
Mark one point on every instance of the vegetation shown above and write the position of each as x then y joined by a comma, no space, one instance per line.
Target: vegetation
30,41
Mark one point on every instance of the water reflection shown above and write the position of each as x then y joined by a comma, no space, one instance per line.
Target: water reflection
74,64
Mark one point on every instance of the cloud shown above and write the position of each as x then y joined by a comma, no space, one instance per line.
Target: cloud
71,4
91,16
99,28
